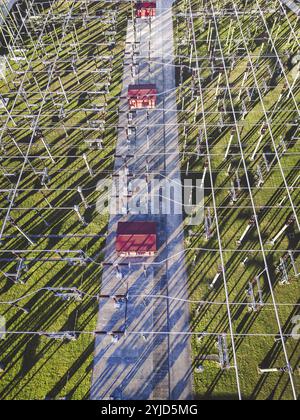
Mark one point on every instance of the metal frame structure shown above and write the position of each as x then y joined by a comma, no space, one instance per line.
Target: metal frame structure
41,141
224,56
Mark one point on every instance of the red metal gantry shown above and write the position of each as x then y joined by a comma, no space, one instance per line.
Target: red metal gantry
136,239
145,9
142,96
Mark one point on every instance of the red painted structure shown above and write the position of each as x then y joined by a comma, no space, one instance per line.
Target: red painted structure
136,239
142,96
145,9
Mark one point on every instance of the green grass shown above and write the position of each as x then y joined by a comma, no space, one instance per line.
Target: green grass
252,351
37,367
